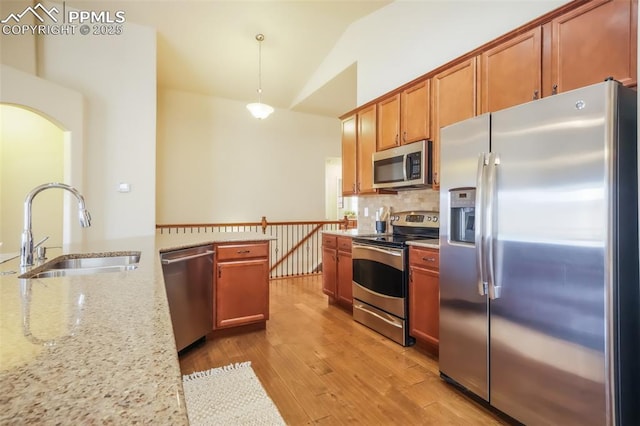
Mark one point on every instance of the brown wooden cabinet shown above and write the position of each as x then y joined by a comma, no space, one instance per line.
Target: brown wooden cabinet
358,146
337,270
366,148
511,73
414,112
241,284
349,155
453,99
329,265
424,296
404,117
388,122
590,43
344,292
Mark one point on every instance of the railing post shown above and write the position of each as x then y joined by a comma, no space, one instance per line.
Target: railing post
264,224
345,223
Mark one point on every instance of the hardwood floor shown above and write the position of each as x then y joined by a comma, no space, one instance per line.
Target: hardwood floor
320,367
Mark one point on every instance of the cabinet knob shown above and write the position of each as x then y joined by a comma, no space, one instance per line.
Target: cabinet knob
243,251
554,89
354,188
404,137
429,259
535,95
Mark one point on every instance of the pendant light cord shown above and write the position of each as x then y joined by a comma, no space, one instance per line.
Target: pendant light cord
260,38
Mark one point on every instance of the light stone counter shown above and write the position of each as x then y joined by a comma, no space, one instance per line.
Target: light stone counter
346,233
94,348
430,243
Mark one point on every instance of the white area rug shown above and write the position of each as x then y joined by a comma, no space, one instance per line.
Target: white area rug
229,395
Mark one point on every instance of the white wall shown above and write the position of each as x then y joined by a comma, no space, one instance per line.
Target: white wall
406,39
216,163
18,51
117,76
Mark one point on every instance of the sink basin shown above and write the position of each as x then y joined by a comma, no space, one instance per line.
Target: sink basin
83,265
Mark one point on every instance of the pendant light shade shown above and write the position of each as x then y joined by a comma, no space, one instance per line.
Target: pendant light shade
258,109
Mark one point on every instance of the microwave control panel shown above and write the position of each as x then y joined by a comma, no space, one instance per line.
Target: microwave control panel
414,166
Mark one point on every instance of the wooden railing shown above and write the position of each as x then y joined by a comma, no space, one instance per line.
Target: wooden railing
297,246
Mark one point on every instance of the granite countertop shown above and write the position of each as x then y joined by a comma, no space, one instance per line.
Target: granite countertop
431,243
94,348
344,233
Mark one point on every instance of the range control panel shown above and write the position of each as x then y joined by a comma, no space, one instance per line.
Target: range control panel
418,218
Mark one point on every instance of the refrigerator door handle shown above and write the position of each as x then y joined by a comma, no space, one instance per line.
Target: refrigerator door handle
479,225
495,290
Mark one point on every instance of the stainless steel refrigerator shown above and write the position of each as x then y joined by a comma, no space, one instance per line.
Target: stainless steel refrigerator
539,291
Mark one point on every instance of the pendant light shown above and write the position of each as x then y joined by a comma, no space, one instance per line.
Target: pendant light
258,109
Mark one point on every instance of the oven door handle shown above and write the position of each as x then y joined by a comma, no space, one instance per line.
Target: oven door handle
378,249
377,315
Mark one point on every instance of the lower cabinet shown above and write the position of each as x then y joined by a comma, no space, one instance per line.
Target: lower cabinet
241,283
337,269
424,296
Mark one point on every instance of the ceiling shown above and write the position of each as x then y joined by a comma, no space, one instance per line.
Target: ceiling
209,47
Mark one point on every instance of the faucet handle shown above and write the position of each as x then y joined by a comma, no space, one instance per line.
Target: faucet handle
37,245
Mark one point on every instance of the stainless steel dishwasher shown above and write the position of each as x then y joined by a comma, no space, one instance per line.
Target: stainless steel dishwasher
188,277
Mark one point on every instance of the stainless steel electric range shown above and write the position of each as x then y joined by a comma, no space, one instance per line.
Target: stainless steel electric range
381,273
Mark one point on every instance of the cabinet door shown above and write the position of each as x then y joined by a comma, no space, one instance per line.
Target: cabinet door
329,271
593,42
454,99
349,156
241,292
388,123
424,305
414,112
345,278
511,72
366,148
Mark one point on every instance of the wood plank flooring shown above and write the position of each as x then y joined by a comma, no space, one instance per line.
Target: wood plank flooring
321,367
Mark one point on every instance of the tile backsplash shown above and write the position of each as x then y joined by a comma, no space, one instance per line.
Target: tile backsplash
419,199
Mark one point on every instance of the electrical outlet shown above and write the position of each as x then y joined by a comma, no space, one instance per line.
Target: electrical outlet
366,212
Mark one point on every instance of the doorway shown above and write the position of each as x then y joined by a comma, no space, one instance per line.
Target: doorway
31,153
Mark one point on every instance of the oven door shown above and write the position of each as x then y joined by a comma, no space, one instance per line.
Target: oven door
379,277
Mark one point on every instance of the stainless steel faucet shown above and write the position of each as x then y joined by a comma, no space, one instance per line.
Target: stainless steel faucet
26,250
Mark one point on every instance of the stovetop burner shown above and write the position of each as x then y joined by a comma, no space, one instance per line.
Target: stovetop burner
407,226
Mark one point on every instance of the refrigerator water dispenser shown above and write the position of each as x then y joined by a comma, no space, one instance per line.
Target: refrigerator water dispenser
463,215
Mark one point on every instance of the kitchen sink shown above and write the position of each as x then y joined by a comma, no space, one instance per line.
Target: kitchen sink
84,265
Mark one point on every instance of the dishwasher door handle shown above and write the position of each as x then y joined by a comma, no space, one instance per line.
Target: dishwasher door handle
185,258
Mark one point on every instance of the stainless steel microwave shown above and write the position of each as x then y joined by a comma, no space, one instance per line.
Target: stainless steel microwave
405,167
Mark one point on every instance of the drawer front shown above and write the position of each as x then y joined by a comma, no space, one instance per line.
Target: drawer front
424,258
344,244
242,251
329,241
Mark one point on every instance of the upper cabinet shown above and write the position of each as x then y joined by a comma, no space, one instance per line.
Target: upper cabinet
454,99
592,42
404,117
414,112
388,123
358,146
366,148
578,44
510,73
349,153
